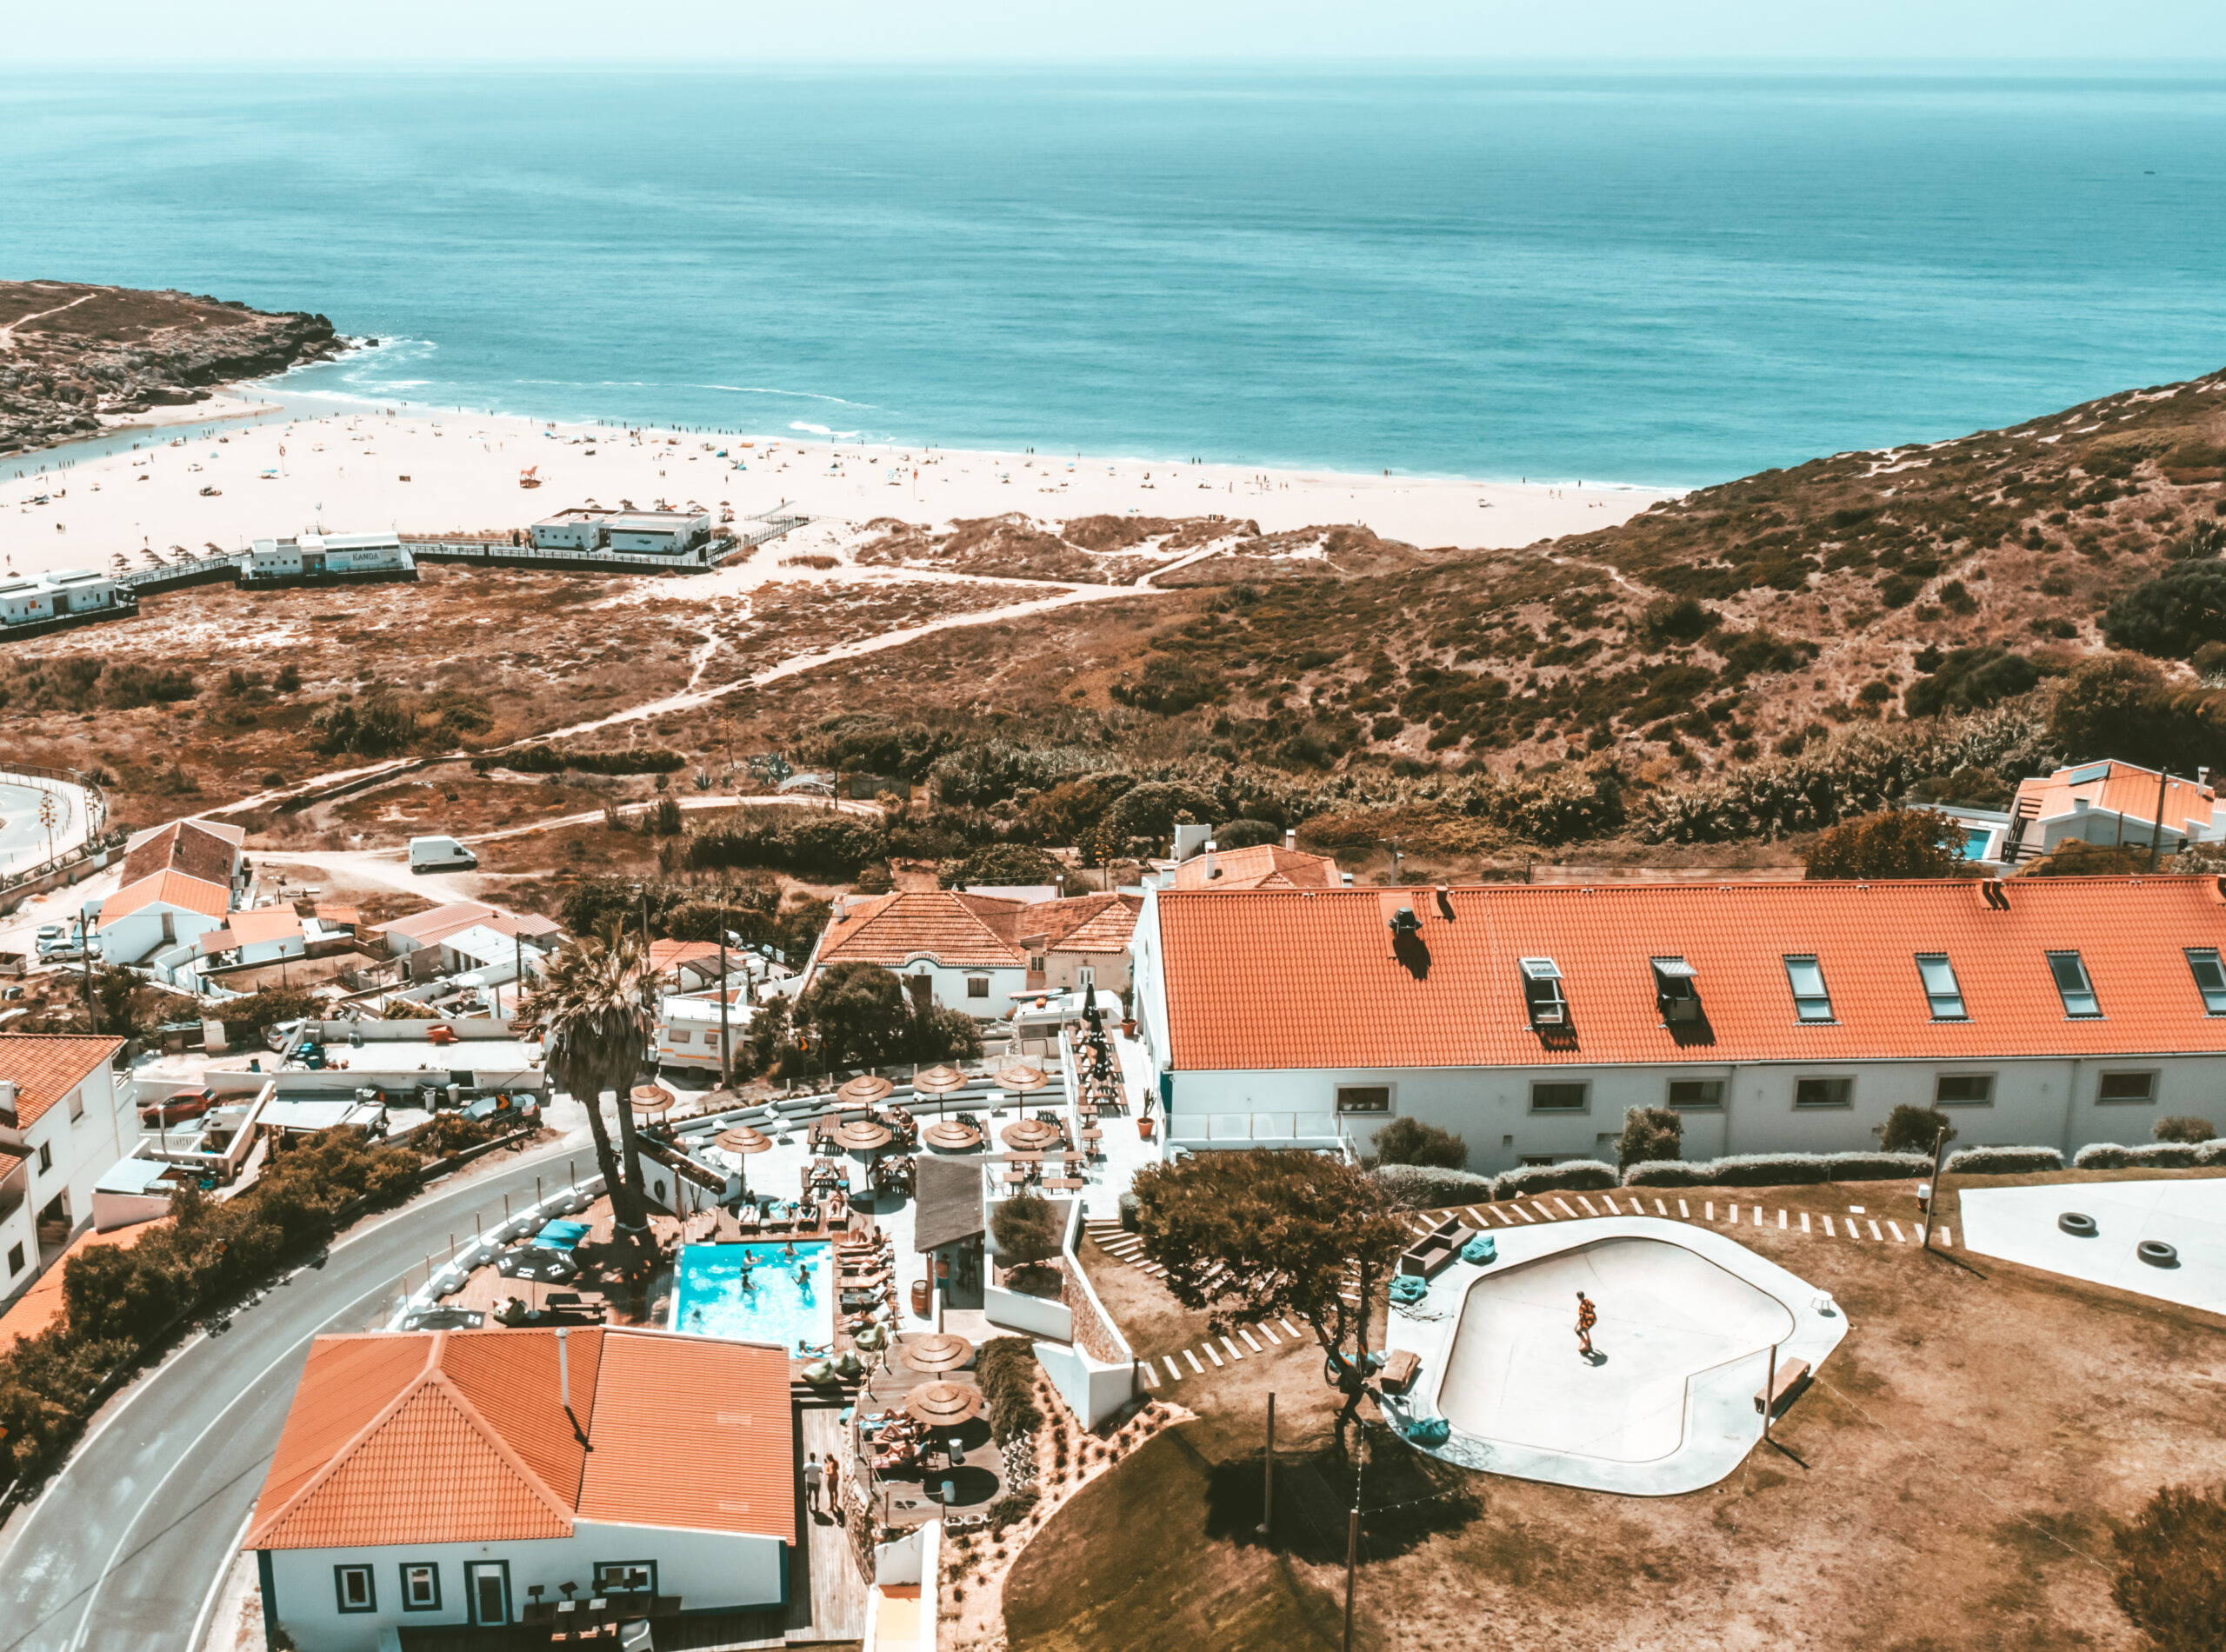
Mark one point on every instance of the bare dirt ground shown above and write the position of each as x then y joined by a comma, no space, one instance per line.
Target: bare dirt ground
1948,1482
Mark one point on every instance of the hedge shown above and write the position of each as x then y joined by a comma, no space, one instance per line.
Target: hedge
1422,1187
2003,1161
1776,1170
2162,1155
1575,1176
1005,1368
547,760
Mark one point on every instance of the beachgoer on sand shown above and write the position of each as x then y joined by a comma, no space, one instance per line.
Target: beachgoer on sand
1587,1317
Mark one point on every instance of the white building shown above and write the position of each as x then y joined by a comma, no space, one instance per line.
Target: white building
979,953
64,1120
658,533
2112,805
1774,1017
179,883
34,599
310,557
465,935
467,1478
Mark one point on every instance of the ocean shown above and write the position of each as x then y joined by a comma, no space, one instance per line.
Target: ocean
1664,278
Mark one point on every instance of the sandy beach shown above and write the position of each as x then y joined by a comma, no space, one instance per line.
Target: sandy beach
244,466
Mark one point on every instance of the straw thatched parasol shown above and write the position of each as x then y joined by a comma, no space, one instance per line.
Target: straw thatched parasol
651,1098
1029,1135
940,1352
863,1134
938,1081
944,1405
864,1090
1024,1078
952,1136
743,1138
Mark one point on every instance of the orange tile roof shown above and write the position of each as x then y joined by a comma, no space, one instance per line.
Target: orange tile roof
1091,923
1258,866
667,955
2120,788
437,924
263,923
1298,980
197,848
168,888
45,1067
461,1436
941,924
41,1305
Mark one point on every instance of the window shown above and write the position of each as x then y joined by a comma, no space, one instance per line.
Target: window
14,1260
1530,1159
2126,1087
77,1105
1674,992
626,1577
711,1041
1963,1090
353,1585
1542,992
1806,976
421,1586
682,1035
1035,962
1696,1092
1364,1098
978,986
1559,1098
2072,985
1942,990
2209,978
45,1157
1823,1092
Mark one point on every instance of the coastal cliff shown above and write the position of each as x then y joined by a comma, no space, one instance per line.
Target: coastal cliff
70,353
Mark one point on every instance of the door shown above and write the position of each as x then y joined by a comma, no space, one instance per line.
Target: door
488,1584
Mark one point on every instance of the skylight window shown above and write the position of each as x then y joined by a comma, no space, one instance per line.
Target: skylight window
1811,1001
2072,985
1542,991
2210,977
1942,990
1675,994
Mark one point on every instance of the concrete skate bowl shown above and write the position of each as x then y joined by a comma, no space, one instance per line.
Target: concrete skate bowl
1515,1382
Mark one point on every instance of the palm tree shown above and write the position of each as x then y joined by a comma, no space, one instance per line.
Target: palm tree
590,1010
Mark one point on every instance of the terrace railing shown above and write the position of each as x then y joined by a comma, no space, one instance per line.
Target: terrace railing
1218,1130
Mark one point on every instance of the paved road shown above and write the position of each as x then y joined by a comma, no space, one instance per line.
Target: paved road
124,1550
23,839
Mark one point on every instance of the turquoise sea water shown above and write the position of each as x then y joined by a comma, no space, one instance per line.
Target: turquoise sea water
1664,278
709,1298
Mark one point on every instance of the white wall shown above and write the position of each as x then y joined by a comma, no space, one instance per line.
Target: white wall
133,937
706,1569
949,986
2048,1102
81,1150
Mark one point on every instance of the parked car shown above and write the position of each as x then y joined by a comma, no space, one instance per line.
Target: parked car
60,951
440,853
49,932
176,1110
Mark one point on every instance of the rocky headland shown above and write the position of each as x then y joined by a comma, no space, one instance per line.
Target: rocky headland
71,355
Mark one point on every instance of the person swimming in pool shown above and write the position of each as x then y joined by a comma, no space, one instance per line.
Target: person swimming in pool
803,1279
789,1250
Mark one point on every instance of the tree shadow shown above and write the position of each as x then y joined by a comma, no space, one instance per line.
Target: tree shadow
1406,1499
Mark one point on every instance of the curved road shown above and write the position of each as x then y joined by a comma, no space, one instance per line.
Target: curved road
124,1550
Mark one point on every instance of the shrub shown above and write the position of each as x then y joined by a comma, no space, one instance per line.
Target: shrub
1424,1187
1681,619
2171,1576
1028,1229
1900,843
1005,1369
2003,1161
2074,857
1765,1171
1667,1173
1248,834
1876,1167
246,1019
1576,1175
1011,1509
1409,1141
1969,678
2163,1155
1649,1136
2172,614
2181,1128
818,845
539,759
1003,865
1913,1129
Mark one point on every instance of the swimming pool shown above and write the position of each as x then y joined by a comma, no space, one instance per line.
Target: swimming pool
709,1298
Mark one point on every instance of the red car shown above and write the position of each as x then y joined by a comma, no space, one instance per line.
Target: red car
186,1104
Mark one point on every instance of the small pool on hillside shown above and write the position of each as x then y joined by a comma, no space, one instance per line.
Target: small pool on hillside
757,1294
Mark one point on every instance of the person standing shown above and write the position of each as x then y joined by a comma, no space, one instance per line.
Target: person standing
813,1481
1587,1317
834,1488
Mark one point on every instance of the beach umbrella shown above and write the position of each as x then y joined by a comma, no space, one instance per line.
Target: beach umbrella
863,1134
741,1139
949,1134
941,1352
652,1098
865,1091
1029,1135
938,1081
1023,1079
944,1405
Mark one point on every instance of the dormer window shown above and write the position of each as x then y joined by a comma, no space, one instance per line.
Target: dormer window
2209,978
2072,985
1542,991
1942,990
1674,995
1812,1001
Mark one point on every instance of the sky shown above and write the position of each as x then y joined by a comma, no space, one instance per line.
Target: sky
339,34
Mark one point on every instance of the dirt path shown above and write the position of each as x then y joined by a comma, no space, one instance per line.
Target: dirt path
8,333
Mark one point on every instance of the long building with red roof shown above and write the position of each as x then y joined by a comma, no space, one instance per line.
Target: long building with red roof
1773,1017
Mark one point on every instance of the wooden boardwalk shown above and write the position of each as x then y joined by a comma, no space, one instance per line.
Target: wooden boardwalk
827,1598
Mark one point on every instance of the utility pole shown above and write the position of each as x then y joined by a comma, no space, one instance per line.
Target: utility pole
1352,1534
1939,1165
2157,828
1267,1476
85,957
1770,1394
726,1038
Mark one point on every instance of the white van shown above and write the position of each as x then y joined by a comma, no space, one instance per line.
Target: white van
440,854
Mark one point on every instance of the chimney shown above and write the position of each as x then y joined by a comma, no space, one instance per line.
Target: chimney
563,1374
1211,874
1291,837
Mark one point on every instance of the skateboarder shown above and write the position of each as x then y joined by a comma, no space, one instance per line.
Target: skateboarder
1587,1317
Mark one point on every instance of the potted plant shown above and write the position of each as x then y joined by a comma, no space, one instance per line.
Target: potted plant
1143,1126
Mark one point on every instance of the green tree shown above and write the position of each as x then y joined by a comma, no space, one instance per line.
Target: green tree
2075,857
1245,833
1272,1232
1029,1230
1650,1133
859,1012
591,1011
1971,679
1909,1128
1409,1141
2104,701
2174,614
1003,865
2171,1576
938,1033
1900,843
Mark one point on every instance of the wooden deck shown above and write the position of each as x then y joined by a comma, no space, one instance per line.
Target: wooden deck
827,1598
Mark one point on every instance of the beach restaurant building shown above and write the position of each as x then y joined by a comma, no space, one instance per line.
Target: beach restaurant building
1775,1017
482,1478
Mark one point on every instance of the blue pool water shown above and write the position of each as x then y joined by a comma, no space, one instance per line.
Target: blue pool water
708,1299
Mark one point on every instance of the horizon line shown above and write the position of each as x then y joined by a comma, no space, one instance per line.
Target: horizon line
2084,65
